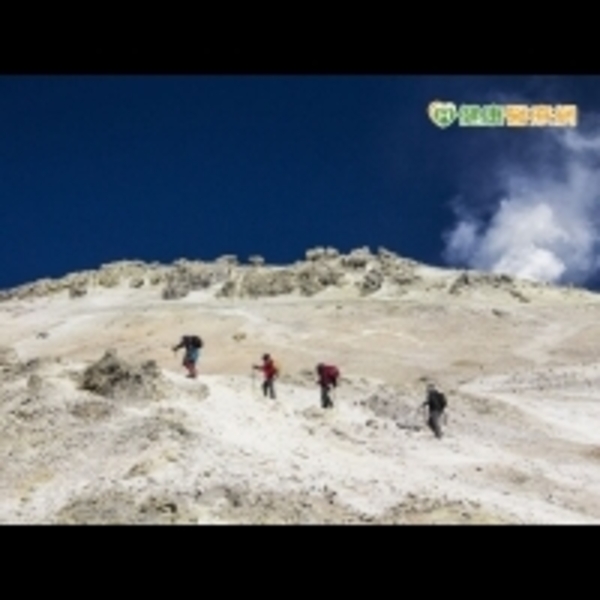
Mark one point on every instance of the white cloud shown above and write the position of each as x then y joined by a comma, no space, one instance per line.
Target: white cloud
546,225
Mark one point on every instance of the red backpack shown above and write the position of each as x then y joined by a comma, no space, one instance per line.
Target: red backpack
333,373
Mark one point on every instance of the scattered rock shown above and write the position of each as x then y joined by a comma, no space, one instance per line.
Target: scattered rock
155,505
321,254
108,278
186,277
34,383
386,404
519,296
114,378
506,279
357,259
371,282
92,410
121,507
462,281
315,254
256,260
331,253
136,282
9,357
175,289
77,291
228,259
268,283
386,254
228,290
157,278
314,278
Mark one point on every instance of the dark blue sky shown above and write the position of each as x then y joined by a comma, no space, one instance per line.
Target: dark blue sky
96,169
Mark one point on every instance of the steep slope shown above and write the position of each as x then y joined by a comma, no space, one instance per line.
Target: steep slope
517,359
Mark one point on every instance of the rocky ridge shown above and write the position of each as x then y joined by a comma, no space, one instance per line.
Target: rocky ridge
359,273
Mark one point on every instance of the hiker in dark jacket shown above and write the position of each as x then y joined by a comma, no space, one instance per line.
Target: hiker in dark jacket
328,378
192,345
269,370
436,403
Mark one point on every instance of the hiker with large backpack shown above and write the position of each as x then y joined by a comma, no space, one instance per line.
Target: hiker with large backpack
270,372
192,345
436,403
328,379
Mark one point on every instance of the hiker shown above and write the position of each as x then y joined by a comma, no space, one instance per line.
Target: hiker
192,345
436,402
270,372
328,378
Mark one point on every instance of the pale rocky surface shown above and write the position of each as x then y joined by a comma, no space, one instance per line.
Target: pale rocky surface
100,425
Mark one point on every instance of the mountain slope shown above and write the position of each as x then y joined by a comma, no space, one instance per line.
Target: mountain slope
518,361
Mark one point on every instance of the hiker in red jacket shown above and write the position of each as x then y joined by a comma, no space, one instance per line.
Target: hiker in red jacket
270,372
328,378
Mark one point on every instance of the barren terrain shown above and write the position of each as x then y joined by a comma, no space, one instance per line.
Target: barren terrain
519,362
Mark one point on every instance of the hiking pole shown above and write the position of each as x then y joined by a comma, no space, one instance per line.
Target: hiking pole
419,414
255,392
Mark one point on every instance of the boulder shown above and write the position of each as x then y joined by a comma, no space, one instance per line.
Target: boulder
112,377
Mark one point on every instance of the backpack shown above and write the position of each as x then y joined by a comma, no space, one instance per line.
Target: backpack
443,402
195,341
334,373
439,400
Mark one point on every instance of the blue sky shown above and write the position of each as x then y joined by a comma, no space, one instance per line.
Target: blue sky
96,169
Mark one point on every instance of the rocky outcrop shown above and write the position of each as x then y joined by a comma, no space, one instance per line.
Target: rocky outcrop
77,290
187,276
357,259
114,378
79,284
469,281
461,282
228,290
314,277
394,269
322,268
8,357
371,282
266,282
319,254
175,288
136,282
10,364
227,259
